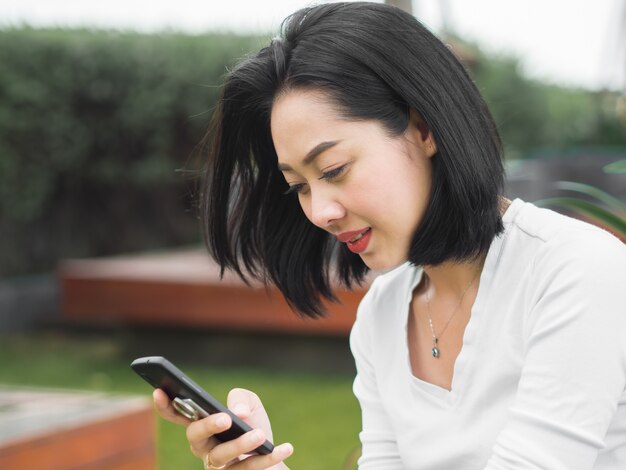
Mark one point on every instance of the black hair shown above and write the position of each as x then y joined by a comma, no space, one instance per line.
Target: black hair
375,62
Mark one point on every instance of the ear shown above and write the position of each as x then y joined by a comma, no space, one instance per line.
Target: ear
419,133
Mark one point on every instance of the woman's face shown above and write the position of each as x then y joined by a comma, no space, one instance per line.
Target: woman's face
352,179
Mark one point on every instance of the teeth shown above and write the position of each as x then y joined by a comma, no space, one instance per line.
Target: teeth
358,237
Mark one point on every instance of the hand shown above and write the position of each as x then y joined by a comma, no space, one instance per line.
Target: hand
234,454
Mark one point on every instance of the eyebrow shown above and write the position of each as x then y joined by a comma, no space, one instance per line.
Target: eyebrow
311,155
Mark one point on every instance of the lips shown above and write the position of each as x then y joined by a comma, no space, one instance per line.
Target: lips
356,240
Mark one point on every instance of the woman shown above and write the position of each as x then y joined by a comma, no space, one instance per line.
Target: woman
496,339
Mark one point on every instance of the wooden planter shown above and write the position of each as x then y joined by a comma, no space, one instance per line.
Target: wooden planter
52,430
184,289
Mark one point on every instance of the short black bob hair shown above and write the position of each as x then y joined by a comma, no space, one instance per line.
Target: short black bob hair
375,62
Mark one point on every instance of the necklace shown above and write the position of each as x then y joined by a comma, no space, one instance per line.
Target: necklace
435,350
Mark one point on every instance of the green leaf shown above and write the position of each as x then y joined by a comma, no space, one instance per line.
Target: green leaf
616,167
599,214
592,191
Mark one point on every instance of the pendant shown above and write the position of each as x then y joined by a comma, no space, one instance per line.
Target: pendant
435,349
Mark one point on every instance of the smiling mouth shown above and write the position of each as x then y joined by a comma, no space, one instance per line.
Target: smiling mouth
359,236
353,235
360,243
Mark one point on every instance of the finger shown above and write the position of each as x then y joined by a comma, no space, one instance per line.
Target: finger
258,462
199,433
231,450
248,407
243,402
164,406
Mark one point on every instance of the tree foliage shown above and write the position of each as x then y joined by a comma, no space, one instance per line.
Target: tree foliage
533,115
94,126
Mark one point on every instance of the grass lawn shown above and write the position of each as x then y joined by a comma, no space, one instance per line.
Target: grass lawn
317,413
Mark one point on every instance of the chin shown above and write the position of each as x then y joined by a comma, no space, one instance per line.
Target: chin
382,265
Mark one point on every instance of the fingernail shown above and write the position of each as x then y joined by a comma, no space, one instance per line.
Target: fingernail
284,450
255,436
222,421
240,409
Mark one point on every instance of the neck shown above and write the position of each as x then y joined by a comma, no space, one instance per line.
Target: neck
451,279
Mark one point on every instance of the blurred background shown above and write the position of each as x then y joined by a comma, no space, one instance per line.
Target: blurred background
102,110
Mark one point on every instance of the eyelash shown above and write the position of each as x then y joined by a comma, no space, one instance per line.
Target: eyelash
296,188
332,174
327,176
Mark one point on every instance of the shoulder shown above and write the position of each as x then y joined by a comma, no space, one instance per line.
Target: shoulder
548,238
569,270
381,317
390,288
384,305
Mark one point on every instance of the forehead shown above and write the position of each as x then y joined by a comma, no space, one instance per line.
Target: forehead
291,105
301,119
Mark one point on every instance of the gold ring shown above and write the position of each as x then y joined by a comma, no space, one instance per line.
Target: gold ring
208,465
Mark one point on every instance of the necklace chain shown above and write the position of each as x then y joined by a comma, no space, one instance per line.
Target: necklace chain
435,350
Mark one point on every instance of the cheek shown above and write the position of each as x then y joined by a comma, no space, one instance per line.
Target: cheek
387,192
305,205
402,197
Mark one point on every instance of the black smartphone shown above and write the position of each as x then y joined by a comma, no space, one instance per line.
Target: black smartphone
188,398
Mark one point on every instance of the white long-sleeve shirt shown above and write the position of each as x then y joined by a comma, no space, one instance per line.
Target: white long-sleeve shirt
540,382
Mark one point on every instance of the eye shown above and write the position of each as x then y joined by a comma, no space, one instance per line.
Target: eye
334,173
295,188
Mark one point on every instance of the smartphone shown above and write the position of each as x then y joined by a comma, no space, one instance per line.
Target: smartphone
188,398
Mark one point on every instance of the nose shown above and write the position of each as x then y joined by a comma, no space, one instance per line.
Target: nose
324,209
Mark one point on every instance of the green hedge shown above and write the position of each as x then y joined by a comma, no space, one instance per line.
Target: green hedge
531,114
93,128
95,124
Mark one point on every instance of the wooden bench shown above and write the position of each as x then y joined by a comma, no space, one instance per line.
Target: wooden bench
182,288
59,430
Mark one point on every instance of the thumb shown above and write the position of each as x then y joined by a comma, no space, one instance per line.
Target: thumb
247,406
243,402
